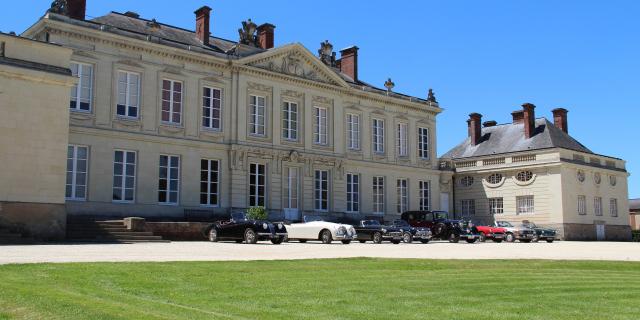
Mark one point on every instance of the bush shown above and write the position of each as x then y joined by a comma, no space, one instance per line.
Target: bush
636,235
257,213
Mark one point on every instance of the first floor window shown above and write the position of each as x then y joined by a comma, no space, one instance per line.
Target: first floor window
124,175
81,92
77,163
402,195
291,189
290,121
257,184
211,108
582,205
169,179
378,195
353,131
353,192
320,126
128,94
321,190
209,182
171,101
496,206
468,207
597,206
257,106
613,207
403,141
525,205
423,143
378,135
425,195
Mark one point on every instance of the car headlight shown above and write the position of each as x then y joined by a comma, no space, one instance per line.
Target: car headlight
352,230
280,226
265,226
341,230
384,230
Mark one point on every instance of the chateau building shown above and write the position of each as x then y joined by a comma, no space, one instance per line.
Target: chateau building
532,169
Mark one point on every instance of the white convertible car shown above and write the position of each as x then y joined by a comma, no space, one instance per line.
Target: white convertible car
315,228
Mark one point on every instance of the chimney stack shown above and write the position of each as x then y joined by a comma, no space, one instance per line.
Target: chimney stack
203,16
560,119
349,62
77,9
266,35
529,120
490,123
518,116
475,131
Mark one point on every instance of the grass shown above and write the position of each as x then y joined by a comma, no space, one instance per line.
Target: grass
323,289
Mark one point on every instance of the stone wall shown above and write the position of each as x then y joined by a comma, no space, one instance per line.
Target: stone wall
39,221
587,232
179,231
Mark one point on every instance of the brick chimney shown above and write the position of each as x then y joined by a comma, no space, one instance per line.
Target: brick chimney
203,16
349,62
529,120
560,119
490,123
518,116
77,9
475,130
266,35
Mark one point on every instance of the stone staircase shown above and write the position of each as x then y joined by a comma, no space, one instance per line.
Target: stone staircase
91,230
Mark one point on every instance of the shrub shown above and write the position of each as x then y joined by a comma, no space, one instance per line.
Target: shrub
257,213
636,235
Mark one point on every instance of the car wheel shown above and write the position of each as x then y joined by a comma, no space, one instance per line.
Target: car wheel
424,240
302,240
362,241
395,241
483,238
526,241
550,240
407,237
277,240
213,235
471,240
454,238
497,240
325,236
250,236
510,237
346,241
377,238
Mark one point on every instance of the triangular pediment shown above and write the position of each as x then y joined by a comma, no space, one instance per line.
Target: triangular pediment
296,61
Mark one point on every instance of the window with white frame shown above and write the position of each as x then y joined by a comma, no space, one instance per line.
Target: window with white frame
77,163
81,92
124,176
403,141
211,108
290,120
321,188
171,101
257,106
353,192
525,205
168,179
582,205
423,143
378,135
597,206
468,207
209,182
402,195
378,195
320,126
425,195
613,207
128,94
353,131
291,188
257,184
496,206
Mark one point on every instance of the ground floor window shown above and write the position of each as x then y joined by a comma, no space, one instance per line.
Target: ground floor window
321,189
378,195
124,175
77,163
582,205
402,196
425,195
597,206
353,192
496,206
169,179
257,184
525,205
468,207
209,182
291,189
613,207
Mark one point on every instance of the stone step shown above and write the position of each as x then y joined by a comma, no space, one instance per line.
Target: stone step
89,233
90,240
90,228
129,237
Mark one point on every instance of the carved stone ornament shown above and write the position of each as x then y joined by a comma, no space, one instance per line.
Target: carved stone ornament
59,7
326,54
248,33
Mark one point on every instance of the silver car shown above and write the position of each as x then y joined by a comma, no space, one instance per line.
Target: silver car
521,233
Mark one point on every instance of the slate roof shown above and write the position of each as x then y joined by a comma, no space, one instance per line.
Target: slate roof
507,138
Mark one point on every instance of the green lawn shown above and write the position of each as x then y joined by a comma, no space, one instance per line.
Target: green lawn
323,289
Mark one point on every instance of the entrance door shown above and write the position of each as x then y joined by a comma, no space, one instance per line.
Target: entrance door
291,211
600,236
444,201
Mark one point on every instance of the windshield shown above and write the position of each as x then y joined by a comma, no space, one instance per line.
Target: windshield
370,223
529,225
504,224
313,218
440,215
238,216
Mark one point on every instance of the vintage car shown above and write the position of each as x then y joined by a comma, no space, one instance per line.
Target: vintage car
316,228
373,230
495,234
421,234
542,233
240,229
513,233
441,226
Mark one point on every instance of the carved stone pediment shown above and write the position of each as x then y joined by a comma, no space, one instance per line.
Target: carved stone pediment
297,64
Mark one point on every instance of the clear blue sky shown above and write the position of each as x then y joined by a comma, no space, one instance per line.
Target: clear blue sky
479,56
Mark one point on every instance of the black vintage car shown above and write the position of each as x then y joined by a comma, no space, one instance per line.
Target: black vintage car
372,230
240,229
441,226
545,234
410,233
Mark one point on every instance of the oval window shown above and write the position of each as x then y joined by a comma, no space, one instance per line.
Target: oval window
524,176
494,178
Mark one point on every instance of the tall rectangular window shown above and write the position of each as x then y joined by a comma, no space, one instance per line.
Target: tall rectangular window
403,141
597,206
291,189
353,131
211,108
257,185
353,192
320,126
168,179
423,143
209,182
290,121
425,195
128,94
77,163
525,205
81,93
257,106
496,206
378,195
171,101
124,175
402,196
378,135
613,207
582,205
321,190
468,207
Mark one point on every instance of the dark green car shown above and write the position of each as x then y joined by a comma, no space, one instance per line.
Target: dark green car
542,233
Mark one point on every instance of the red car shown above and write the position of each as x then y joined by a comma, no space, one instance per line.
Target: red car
492,233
